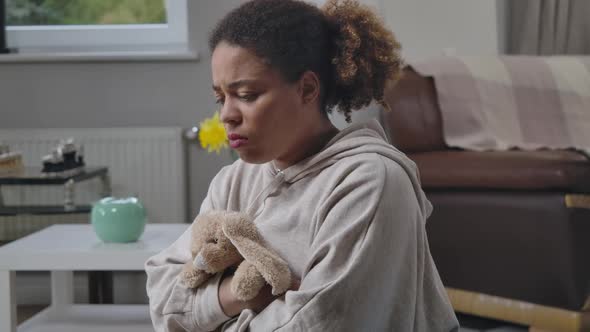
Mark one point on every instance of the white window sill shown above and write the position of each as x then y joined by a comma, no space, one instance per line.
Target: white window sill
117,56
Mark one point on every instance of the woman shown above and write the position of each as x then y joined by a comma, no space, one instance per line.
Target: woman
343,208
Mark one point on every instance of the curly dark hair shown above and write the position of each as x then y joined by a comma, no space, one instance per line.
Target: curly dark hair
344,43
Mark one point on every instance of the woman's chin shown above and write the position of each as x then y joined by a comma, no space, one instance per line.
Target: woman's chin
252,158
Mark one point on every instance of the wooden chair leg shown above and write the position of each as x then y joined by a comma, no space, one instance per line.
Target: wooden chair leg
534,329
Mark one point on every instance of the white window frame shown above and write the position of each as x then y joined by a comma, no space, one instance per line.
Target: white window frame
172,36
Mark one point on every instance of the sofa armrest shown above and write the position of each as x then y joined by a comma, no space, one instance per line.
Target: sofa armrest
414,122
542,170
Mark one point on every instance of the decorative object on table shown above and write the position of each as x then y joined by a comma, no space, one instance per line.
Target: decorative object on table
118,219
10,161
211,135
222,239
67,156
21,216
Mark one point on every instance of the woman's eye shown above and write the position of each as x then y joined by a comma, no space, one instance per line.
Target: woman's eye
248,97
219,100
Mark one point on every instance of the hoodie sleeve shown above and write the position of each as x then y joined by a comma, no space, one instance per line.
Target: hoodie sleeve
173,306
370,269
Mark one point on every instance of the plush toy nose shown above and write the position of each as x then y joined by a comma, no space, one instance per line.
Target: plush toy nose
199,262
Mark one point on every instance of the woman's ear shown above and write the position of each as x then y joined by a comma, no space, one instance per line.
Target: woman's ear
309,87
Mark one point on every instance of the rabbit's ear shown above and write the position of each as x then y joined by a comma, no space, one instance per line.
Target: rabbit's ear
244,236
198,230
195,243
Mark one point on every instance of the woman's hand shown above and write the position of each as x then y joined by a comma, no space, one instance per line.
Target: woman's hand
231,306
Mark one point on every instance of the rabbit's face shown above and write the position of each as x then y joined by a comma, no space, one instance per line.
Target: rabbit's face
217,254
213,251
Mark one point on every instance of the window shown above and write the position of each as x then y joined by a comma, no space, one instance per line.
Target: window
48,26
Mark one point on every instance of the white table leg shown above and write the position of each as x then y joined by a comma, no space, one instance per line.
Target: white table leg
8,301
62,291
62,288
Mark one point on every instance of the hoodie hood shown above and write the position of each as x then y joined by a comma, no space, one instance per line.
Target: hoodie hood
356,139
336,230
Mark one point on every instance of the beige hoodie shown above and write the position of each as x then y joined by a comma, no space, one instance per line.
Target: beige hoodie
349,221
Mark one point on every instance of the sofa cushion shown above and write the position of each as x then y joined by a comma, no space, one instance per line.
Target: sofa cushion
414,122
526,246
551,170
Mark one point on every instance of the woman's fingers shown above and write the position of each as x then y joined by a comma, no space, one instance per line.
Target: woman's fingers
295,284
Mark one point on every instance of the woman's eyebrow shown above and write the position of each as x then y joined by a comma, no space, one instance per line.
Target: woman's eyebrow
236,84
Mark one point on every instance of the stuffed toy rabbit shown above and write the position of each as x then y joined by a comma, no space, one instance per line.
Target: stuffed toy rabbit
222,239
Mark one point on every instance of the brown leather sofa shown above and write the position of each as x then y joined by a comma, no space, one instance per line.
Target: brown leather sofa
510,231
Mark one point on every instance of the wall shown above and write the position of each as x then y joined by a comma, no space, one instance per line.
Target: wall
427,27
109,94
41,95
179,94
45,95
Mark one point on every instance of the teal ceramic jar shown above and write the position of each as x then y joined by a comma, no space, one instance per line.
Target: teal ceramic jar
118,219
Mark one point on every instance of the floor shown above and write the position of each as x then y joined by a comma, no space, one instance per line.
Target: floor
468,323
477,324
24,312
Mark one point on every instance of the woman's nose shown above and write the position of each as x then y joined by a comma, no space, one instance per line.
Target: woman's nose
229,113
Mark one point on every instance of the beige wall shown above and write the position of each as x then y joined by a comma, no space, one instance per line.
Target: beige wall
110,94
429,27
120,94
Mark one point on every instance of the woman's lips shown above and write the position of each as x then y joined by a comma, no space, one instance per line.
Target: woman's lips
236,141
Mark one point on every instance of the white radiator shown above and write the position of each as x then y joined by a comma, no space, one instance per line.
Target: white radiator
146,162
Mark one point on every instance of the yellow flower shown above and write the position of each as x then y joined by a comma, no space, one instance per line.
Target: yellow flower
212,134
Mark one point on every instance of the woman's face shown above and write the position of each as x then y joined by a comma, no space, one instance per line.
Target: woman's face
264,115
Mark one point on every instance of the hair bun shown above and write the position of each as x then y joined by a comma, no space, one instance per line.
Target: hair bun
366,55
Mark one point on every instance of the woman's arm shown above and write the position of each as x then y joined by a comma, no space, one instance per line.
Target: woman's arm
370,269
173,306
231,306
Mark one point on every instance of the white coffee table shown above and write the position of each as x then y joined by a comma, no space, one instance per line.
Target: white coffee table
63,249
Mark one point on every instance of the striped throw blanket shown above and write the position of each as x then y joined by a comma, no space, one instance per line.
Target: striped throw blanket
505,102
